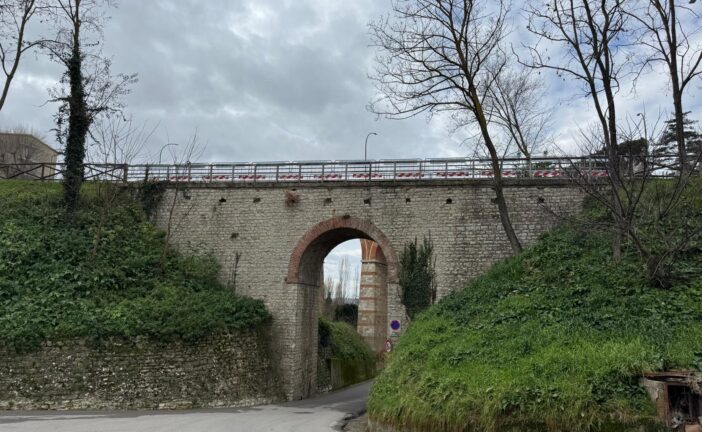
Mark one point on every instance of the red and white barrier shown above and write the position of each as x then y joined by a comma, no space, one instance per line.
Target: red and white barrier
289,177
453,174
547,173
328,176
365,176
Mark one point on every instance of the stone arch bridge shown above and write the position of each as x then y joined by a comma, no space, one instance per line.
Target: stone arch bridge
272,226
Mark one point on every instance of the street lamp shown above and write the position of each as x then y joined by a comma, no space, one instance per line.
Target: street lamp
162,148
643,118
365,151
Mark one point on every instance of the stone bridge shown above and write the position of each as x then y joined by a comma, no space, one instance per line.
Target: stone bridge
271,238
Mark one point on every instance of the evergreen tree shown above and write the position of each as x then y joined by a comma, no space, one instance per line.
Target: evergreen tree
668,146
417,276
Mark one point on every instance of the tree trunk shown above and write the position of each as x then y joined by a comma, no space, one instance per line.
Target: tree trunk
496,175
502,207
677,92
78,124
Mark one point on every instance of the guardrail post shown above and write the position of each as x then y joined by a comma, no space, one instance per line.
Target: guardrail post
370,170
299,170
346,171
210,177
277,172
446,170
394,171
322,173
146,173
126,173
255,172
42,172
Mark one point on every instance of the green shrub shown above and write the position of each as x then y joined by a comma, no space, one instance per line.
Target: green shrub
52,286
346,343
349,356
416,276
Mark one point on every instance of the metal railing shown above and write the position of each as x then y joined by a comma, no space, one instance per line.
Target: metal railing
55,171
396,170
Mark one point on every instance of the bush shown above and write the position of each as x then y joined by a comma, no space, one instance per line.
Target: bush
347,313
343,350
416,276
52,286
345,342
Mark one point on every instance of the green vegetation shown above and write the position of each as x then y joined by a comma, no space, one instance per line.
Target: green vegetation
101,276
417,276
554,339
345,342
353,360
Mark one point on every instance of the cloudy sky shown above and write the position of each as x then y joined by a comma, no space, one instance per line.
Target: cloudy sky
272,80
276,80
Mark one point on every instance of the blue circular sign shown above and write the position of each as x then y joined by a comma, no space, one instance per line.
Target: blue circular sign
395,325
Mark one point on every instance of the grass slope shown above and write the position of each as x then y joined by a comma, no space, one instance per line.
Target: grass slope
554,339
353,356
52,288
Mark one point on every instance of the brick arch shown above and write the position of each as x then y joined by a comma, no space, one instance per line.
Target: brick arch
311,249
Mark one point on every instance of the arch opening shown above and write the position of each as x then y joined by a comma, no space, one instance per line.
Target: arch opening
305,274
341,283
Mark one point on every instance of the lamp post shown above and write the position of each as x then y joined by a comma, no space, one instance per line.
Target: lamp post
365,148
162,148
643,118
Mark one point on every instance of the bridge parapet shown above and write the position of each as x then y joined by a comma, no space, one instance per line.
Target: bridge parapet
397,170
354,171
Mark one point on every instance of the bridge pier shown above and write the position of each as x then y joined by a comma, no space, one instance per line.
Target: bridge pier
297,339
373,297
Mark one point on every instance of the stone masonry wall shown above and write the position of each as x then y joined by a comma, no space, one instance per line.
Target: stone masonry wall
221,371
257,225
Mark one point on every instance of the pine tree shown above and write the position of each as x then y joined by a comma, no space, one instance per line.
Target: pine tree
668,146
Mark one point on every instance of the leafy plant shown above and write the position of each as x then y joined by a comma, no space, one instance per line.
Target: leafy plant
51,287
417,276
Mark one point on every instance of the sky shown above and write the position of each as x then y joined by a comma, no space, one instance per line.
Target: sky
277,80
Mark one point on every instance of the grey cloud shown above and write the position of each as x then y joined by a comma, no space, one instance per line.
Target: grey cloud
261,80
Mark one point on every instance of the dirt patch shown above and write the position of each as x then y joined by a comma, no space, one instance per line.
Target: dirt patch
358,424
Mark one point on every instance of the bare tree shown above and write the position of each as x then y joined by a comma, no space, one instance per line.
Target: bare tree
594,37
591,35
181,156
670,33
442,56
15,16
87,87
116,141
515,100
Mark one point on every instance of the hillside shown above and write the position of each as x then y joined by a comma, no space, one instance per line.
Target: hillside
103,275
554,339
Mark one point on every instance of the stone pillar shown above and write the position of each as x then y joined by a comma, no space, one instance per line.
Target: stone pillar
295,334
372,299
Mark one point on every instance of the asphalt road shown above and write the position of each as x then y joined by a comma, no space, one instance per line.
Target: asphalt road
324,413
